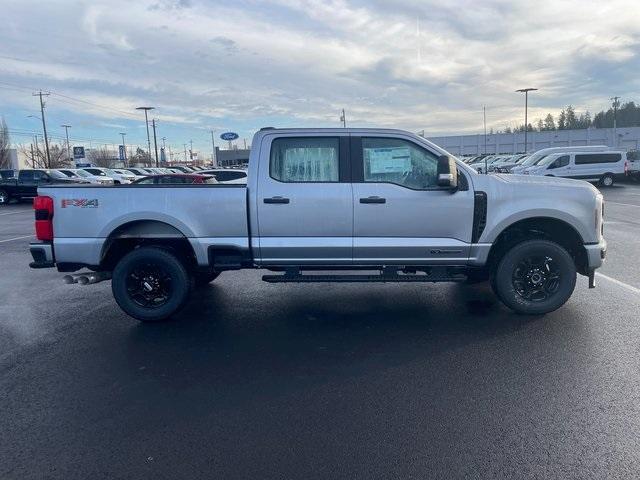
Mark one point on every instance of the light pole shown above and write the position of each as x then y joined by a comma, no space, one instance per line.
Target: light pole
526,106
124,148
155,142
66,132
615,106
146,121
343,119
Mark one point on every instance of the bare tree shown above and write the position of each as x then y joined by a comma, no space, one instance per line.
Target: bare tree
101,157
37,158
141,158
5,144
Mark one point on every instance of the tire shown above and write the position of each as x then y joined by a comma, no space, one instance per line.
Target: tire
145,268
5,198
606,180
202,279
535,277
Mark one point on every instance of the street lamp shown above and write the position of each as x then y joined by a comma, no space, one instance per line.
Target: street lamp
526,106
146,121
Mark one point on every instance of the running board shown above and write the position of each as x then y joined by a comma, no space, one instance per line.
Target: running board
357,278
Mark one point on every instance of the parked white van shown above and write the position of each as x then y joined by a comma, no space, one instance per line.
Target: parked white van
537,157
602,167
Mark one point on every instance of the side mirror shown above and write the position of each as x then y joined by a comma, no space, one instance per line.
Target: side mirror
447,172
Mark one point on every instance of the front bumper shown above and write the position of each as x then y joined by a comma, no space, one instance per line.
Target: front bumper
596,253
42,254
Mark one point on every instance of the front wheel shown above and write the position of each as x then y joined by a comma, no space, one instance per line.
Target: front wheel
535,277
606,180
150,284
4,197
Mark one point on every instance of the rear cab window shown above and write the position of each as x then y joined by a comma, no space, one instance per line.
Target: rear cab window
305,159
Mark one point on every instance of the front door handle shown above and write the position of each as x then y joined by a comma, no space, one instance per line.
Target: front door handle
276,200
373,200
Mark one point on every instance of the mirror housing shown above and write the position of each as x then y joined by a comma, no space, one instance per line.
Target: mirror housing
447,172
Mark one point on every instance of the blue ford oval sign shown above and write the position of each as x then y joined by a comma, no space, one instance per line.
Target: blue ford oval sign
229,136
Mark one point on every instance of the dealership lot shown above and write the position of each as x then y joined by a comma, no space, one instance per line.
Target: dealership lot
258,380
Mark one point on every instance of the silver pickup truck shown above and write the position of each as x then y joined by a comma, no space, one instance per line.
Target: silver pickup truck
329,205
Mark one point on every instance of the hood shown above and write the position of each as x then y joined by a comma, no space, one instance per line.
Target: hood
550,182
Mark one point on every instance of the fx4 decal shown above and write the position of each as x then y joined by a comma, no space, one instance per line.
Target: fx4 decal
80,202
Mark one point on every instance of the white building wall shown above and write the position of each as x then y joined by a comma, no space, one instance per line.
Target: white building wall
623,138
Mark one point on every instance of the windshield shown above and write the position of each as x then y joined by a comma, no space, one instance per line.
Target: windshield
82,173
95,171
68,173
533,159
56,174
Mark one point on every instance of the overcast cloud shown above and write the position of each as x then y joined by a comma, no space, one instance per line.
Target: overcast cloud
242,64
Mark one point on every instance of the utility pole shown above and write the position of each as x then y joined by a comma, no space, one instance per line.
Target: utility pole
66,131
124,148
484,121
191,150
343,119
44,125
164,149
146,121
155,143
213,151
185,151
526,106
615,106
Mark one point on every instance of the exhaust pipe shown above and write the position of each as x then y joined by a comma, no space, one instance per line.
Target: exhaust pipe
86,278
96,277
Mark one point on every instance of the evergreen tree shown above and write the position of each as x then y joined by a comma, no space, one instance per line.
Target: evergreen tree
562,121
549,122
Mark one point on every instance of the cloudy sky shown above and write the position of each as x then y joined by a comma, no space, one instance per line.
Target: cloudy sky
241,64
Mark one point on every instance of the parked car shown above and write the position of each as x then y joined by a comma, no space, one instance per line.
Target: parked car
537,156
25,185
322,199
602,167
119,176
183,169
224,175
94,179
509,164
176,178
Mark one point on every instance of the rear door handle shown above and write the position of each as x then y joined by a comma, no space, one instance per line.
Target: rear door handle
373,200
276,200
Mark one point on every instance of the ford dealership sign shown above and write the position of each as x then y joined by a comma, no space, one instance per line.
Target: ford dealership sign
229,136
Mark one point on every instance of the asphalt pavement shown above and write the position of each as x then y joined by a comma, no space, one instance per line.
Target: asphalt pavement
255,380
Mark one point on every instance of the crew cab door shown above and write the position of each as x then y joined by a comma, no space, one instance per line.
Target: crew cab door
401,216
304,200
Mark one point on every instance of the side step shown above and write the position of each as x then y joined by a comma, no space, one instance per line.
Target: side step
436,275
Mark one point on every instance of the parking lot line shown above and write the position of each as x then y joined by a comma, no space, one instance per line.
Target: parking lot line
16,238
625,204
15,213
619,283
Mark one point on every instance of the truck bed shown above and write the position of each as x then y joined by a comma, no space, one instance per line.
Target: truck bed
85,216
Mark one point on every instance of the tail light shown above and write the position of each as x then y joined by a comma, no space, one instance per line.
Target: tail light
44,218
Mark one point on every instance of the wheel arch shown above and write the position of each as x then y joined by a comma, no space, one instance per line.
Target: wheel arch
137,233
548,228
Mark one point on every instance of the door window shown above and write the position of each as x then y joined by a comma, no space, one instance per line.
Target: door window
562,161
26,176
393,160
304,159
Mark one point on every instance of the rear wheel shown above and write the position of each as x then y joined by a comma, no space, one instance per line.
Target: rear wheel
535,277
150,284
4,197
606,180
